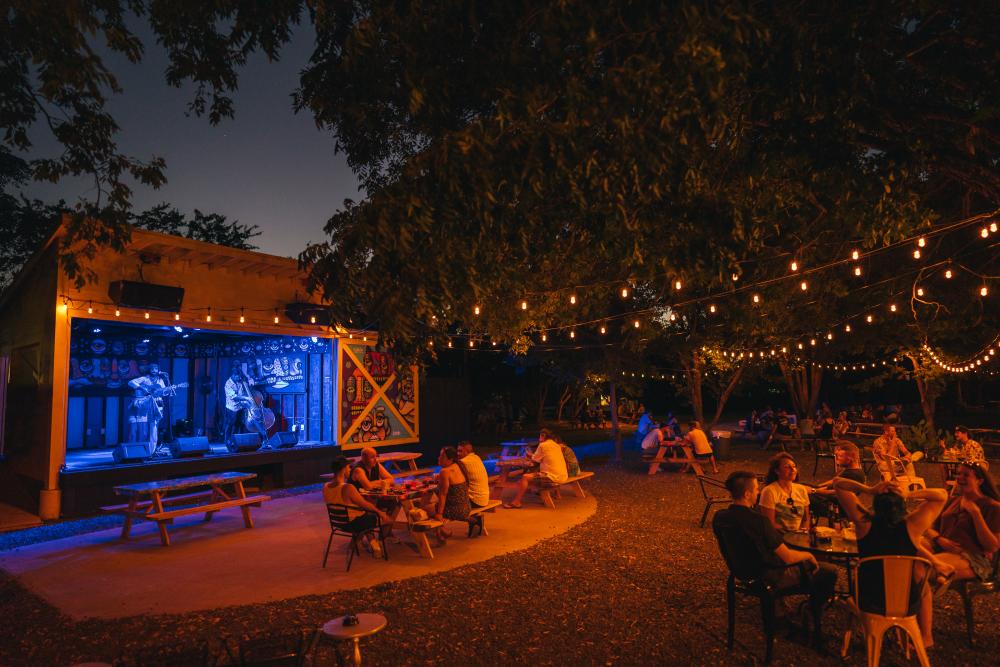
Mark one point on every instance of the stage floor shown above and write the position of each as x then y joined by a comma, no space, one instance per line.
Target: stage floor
99,459
221,563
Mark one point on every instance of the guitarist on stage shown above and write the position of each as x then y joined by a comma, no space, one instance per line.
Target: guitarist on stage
239,399
146,408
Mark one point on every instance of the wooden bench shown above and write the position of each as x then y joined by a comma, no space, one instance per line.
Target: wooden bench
153,508
545,486
417,472
419,530
477,520
688,460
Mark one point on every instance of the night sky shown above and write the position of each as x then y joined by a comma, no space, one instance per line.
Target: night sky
268,166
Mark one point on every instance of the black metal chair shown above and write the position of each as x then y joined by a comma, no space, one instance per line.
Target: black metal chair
968,589
822,449
708,491
747,578
340,524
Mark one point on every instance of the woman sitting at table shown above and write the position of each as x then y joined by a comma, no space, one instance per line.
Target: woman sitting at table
338,492
453,491
887,530
783,501
967,534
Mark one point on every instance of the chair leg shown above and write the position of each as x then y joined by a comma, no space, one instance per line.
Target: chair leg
351,549
970,624
731,614
816,462
704,515
767,613
326,554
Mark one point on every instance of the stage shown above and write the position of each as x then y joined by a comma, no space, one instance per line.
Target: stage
89,477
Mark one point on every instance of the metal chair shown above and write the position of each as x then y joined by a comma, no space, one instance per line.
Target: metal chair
897,604
340,524
822,449
970,588
747,578
708,485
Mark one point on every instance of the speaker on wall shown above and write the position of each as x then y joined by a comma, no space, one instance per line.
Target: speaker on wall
131,452
283,439
244,442
146,295
187,447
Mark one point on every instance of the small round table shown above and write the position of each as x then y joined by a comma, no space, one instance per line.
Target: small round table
368,624
836,549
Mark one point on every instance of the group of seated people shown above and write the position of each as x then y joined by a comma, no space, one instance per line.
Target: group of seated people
959,535
463,484
668,433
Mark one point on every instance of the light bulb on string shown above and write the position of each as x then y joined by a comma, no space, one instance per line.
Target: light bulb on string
857,270
916,254
921,242
812,341
208,315
449,343
892,307
572,334
572,299
795,266
677,285
920,291
624,292
312,319
984,232
784,350
736,277
800,346
90,309
847,328
603,329
145,316
243,319
470,343
177,317
804,286
829,336
524,305
475,310
636,324
756,298
493,343
983,291
544,338
711,308
275,318
993,227
855,255
673,316
117,312
869,319
947,274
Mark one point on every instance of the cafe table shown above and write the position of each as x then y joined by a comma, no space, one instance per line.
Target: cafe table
839,548
515,448
509,465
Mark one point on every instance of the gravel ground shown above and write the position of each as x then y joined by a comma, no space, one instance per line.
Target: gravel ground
638,583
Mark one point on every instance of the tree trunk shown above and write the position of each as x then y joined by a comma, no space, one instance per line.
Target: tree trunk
815,382
803,387
615,433
692,373
563,399
928,393
733,381
543,393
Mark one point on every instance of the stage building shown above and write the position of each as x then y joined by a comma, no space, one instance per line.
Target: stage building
124,379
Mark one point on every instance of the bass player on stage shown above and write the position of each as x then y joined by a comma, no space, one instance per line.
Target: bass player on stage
240,400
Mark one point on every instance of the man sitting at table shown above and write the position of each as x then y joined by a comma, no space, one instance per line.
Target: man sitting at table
847,458
368,473
655,438
553,467
479,479
888,447
700,445
969,449
762,544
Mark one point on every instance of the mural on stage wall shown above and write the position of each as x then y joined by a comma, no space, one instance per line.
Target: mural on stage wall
377,399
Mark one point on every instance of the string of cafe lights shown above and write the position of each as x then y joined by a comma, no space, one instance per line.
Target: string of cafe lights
208,315
985,355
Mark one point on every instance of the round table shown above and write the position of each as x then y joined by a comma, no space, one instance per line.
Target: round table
368,624
838,547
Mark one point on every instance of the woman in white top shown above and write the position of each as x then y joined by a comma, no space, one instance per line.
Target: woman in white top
783,501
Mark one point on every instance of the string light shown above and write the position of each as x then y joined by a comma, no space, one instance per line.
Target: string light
812,341
677,285
756,298
275,318
449,343
470,342
177,317
117,313
524,305
603,330
857,270
869,319
544,338
993,227
208,316
847,328
572,299
736,277
947,274
921,242
145,316
801,346
920,291
572,334
636,324
983,291
624,292
892,307
855,255
804,285
312,319
243,319
916,254
795,266
90,309
475,310
984,232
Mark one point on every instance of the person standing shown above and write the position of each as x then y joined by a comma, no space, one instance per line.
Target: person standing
238,401
146,408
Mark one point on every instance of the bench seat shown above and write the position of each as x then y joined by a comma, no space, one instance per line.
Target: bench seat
477,520
146,504
546,486
209,509
413,473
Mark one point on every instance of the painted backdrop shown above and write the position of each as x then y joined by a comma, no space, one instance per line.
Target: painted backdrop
376,399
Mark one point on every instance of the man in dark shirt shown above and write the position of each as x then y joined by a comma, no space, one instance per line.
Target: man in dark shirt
758,547
847,458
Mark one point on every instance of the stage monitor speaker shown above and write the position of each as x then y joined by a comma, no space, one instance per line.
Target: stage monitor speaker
131,452
187,447
146,295
244,442
283,439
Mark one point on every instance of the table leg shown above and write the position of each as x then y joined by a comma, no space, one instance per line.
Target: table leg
419,537
162,525
241,493
357,652
129,513
654,465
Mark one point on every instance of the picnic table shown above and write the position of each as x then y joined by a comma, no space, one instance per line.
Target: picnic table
509,465
406,497
678,454
516,448
399,464
150,500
